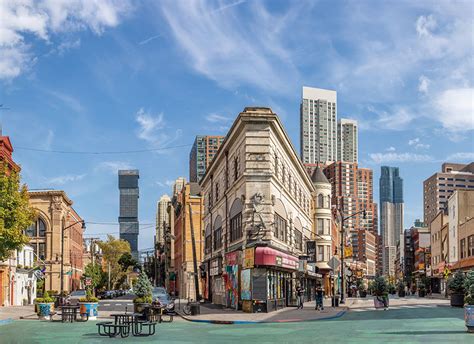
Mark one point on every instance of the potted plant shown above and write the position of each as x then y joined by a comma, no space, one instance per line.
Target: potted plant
401,289
89,306
456,289
380,292
469,301
391,289
362,291
421,289
44,306
142,290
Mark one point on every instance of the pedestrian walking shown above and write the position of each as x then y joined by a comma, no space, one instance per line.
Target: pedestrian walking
319,298
300,295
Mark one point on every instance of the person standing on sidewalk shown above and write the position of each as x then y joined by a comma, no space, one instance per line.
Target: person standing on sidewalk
300,295
319,298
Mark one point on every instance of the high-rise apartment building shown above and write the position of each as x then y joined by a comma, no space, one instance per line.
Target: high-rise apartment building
203,151
438,187
128,217
162,218
347,140
391,215
318,128
352,191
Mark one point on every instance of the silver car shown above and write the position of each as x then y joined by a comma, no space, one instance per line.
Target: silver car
73,298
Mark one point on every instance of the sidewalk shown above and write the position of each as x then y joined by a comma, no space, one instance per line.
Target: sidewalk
16,312
213,314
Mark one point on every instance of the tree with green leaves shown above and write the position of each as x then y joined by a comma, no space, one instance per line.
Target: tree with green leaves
112,250
126,260
95,273
16,214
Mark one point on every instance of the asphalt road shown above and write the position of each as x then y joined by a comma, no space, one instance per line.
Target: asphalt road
118,304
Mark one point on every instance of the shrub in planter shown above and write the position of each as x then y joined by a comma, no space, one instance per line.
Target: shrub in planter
401,289
44,306
142,289
89,306
457,289
469,301
380,292
421,290
391,289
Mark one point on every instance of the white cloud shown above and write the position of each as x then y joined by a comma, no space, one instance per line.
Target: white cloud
423,84
220,47
165,184
153,129
113,166
43,19
381,158
61,180
391,149
425,25
455,109
418,144
214,118
67,99
148,40
396,120
461,156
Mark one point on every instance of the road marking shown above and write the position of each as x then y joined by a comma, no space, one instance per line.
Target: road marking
106,304
129,304
118,304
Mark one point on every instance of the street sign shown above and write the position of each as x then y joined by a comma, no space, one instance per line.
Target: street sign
88,281
311,251
39,275
334,263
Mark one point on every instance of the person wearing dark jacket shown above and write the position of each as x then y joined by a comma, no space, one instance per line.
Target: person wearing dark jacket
300,296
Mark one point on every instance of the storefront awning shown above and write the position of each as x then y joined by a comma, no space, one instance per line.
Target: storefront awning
323,266
271,257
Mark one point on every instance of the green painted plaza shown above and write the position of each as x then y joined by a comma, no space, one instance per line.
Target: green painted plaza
441,324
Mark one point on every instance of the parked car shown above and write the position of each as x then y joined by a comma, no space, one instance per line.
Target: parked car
73,298
159,294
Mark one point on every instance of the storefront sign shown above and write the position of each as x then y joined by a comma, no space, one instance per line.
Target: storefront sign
249,258
311,250
215,267
245,278
302,266
233,258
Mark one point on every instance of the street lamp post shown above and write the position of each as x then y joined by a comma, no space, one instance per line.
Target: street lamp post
62,255
343,219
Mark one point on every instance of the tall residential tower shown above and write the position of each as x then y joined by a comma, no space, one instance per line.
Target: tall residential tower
347,140
162,218
318,130
203,151
128,218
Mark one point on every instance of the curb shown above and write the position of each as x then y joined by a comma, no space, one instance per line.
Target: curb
250,322
6,321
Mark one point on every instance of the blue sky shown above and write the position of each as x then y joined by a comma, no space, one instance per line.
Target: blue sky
129,75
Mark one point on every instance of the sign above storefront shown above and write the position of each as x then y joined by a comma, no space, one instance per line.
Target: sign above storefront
233,258
271,257
249,258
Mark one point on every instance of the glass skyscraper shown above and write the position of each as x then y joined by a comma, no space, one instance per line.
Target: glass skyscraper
128,217
391,216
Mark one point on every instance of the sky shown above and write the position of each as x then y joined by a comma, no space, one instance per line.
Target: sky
118,76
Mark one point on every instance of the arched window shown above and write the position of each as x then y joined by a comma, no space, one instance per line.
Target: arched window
235,215
37,229
280,229
320,201
328,203
217,233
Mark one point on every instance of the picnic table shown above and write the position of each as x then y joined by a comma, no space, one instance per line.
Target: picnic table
69,313
124,323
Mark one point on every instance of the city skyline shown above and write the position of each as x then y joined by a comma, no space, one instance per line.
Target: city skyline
127,73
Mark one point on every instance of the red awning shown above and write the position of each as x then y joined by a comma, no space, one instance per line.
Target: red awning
271,257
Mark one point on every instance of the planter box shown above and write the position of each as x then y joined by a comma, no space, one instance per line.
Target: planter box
457,300
44,310
89,309
469,317
379,302
140,307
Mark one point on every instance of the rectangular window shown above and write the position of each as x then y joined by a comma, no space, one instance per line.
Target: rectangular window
218,238
42,250
299,240
463,248
208,244
236,227
470,251
320,226
320,253
280,228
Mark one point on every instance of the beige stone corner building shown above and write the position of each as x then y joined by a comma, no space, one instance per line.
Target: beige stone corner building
55,212
257,217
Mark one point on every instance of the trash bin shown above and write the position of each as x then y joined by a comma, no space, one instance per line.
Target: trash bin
335,301
195,308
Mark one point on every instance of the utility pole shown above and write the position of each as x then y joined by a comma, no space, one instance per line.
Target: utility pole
109,276
155,256
193,241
